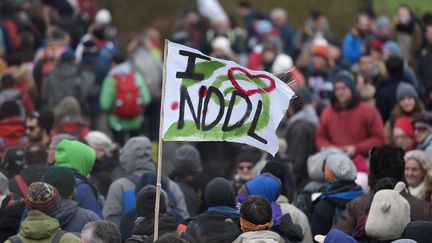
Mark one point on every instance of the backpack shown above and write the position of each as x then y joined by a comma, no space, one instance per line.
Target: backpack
76,129
128,103
58,235
22,185
13,95
129,197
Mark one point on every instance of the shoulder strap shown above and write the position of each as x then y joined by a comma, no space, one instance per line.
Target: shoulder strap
15,239
57,236
133,178
22,185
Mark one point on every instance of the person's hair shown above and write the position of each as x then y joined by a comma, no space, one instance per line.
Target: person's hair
398,112
384,183
395,67
9,108
421,157
35,153
297,104
57,139
315,15
427,193
256,209
173,237
119,58
102,231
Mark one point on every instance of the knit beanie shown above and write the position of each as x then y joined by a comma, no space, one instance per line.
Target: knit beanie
187,160
315,163
345,77
146,200
43,197
282,64
405,123
420,231
386,161
219,192
321,50
250,155
383,22
393,47
389,214
406,90
62,179
424,117
341,166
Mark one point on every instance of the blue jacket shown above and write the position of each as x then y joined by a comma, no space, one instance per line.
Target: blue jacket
352,47
87,196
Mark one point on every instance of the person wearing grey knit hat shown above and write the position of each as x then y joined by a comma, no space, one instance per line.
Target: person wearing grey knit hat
406,90
423,130
187,172
187,160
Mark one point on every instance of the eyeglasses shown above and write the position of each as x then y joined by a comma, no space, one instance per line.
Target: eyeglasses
421,128
242,167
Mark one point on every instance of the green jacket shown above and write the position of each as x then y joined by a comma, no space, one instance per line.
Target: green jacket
107,103
40,228
76,156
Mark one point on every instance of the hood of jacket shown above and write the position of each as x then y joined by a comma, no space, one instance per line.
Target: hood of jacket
137,154
38,226
307,114
66,212
76,156
144,226
263,236
63,70
121,69
341,192
34,172
425,143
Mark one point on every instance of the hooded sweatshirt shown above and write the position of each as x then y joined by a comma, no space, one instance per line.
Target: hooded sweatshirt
135,159
73,218
39,227
80,158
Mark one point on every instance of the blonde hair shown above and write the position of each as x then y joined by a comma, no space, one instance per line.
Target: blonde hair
427,192
421,157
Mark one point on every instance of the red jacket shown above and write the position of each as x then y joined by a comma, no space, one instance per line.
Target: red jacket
12,131
360,126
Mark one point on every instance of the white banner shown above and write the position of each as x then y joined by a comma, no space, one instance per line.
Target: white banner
209,99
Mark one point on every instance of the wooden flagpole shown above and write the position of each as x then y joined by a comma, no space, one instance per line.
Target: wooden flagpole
160,148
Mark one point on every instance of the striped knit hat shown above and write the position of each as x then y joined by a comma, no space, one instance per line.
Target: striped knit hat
43,197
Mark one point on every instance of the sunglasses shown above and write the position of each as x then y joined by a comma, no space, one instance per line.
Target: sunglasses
421,128
242,167
30,128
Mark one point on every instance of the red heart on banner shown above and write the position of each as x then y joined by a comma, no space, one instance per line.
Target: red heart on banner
272,83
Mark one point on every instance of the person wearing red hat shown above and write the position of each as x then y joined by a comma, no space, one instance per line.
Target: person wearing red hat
403,133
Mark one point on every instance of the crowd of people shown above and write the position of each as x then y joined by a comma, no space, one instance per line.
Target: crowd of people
79,122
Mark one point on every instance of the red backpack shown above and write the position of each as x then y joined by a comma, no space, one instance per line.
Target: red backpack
128,103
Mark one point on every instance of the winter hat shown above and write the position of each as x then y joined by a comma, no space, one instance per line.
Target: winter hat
334,236
103,16
269,187
315,163
404,241
146,200
219,192
345,77
383,22
405,90
393,47
389,214
321,50
250,155
341,166
282,64
69,106
62,179
386,161
77,156
405,123
67,57
101,141
424,117
222,43
420,231
43,197
4,184
187,160
421,157
264,27
137,154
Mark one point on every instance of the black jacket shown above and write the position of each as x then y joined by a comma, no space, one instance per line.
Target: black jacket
214,227
11,211
30,174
